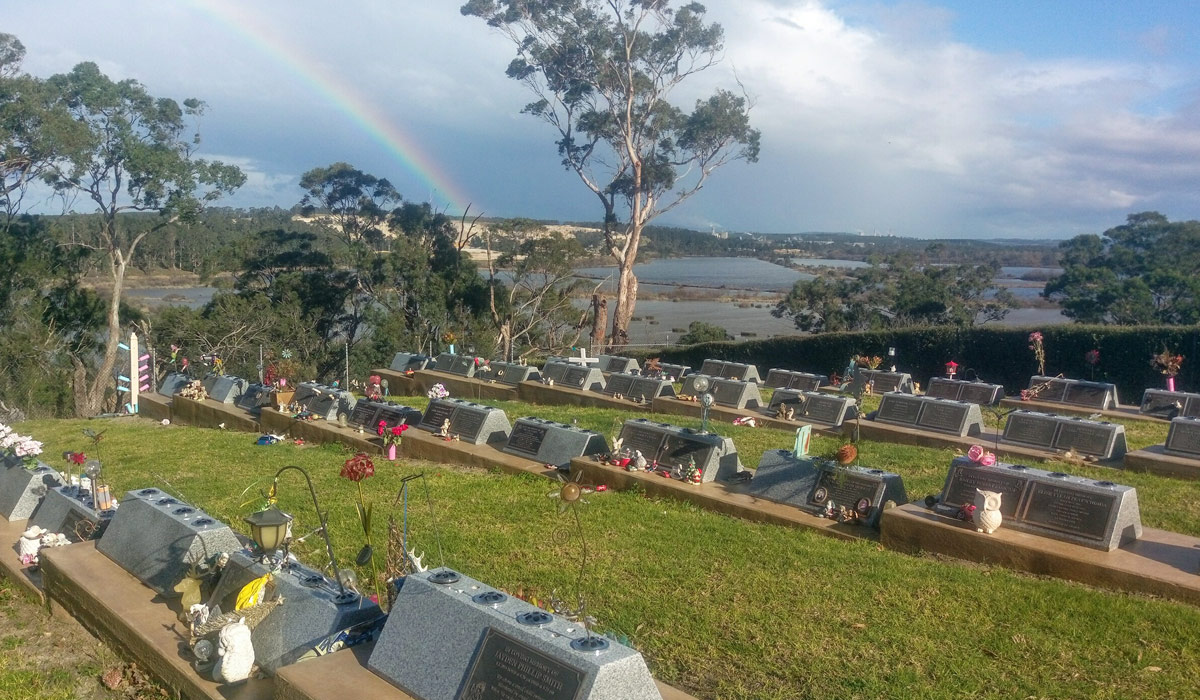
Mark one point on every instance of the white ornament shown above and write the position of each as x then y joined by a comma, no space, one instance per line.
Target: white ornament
29,544
987,516
235,653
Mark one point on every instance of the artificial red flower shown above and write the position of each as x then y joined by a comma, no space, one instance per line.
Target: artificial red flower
358,467
379,429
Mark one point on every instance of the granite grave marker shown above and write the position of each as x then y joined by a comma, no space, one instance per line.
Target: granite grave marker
830,409
21,489
407,361
1170,404
554,443
473,423
1183,438
673,447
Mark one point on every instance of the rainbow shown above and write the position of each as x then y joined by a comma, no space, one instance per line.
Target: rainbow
238,20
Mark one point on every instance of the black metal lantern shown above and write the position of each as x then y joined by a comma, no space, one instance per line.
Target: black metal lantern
269,528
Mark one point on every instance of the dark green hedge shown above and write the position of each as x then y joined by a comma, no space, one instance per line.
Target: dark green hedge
995,354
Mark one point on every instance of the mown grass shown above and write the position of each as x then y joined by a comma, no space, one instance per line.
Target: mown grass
719,606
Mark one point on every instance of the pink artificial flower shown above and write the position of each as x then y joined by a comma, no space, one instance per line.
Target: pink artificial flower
975,453
988,459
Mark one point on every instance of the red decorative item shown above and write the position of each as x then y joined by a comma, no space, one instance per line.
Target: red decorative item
358,467
846,454
951,369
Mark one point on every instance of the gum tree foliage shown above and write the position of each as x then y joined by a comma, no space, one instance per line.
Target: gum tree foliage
1146,271
895,294
128,152
602,72
703,332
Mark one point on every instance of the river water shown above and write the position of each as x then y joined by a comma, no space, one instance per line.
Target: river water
662,321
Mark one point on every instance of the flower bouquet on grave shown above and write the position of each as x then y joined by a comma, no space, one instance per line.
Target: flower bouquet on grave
1167,363
22,447
437,391
392,436
1037,345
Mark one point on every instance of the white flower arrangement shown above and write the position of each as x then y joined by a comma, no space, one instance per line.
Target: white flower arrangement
437,391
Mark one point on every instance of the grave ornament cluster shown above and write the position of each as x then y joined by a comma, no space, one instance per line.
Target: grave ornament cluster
881,382
470,422
674,449
958,390
367,414
1051,432
823,487
71,510
1096,514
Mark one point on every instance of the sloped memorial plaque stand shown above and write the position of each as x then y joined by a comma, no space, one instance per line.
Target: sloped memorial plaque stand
882,382
730,370
813,407
731,393
173,382
971,392
1077,397
225,388
450,637
574,376
1170,404
255,397
801,381
815,485
673,371
636,387
71,511
21,489
617,364
509,373
1052,432
312,609
461,365
327,402
926,413
1097,514
367,414
1179,456
157,538
548,442
472,423
408,362
673,448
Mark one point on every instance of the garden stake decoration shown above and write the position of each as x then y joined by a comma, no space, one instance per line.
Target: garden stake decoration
402,559
356,469
570,497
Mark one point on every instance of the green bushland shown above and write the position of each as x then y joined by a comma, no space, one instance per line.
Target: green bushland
996,355
722,607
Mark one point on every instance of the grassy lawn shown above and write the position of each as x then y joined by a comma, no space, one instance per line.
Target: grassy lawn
722,607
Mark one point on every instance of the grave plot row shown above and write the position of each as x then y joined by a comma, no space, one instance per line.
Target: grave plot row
1052,432
788,379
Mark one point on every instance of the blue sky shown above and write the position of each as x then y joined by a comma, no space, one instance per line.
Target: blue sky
933,119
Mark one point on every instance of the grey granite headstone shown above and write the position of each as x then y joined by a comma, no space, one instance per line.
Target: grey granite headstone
972,392
1169,404
1049,431
554,443
173,383
883,382
310,611
865,491
509,373
554,371
1032,428
619,384
789,379
783,477
255,397
727,392
65,507
471,422
616,363
461,365
814,407
466,640
328,402
1097,514
226,388
672,447
582,378
1183,438
778,378
407,361
675,372
712,368
928,413
391,414
22,489
1075,392
157,538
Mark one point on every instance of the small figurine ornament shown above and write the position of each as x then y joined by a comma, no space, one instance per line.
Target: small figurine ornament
235,653
987,516
29,544
444,431
639,461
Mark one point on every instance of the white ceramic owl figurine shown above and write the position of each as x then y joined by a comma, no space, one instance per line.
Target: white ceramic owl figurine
987,511
235,653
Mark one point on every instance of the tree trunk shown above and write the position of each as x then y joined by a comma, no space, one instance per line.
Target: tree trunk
627,289
599,323
93,400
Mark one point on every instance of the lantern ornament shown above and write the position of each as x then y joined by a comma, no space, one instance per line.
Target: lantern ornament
270,529
951,369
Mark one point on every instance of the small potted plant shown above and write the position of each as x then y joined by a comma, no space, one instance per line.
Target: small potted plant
280,375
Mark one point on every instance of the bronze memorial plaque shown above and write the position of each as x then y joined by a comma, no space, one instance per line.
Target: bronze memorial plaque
1184,437
1085,437
1070,510
467,421
437,413
897,408
1031,429
619,384
363,415
943,416
505,669
943,388
575,376
960,487
527,438
844,490
645,439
